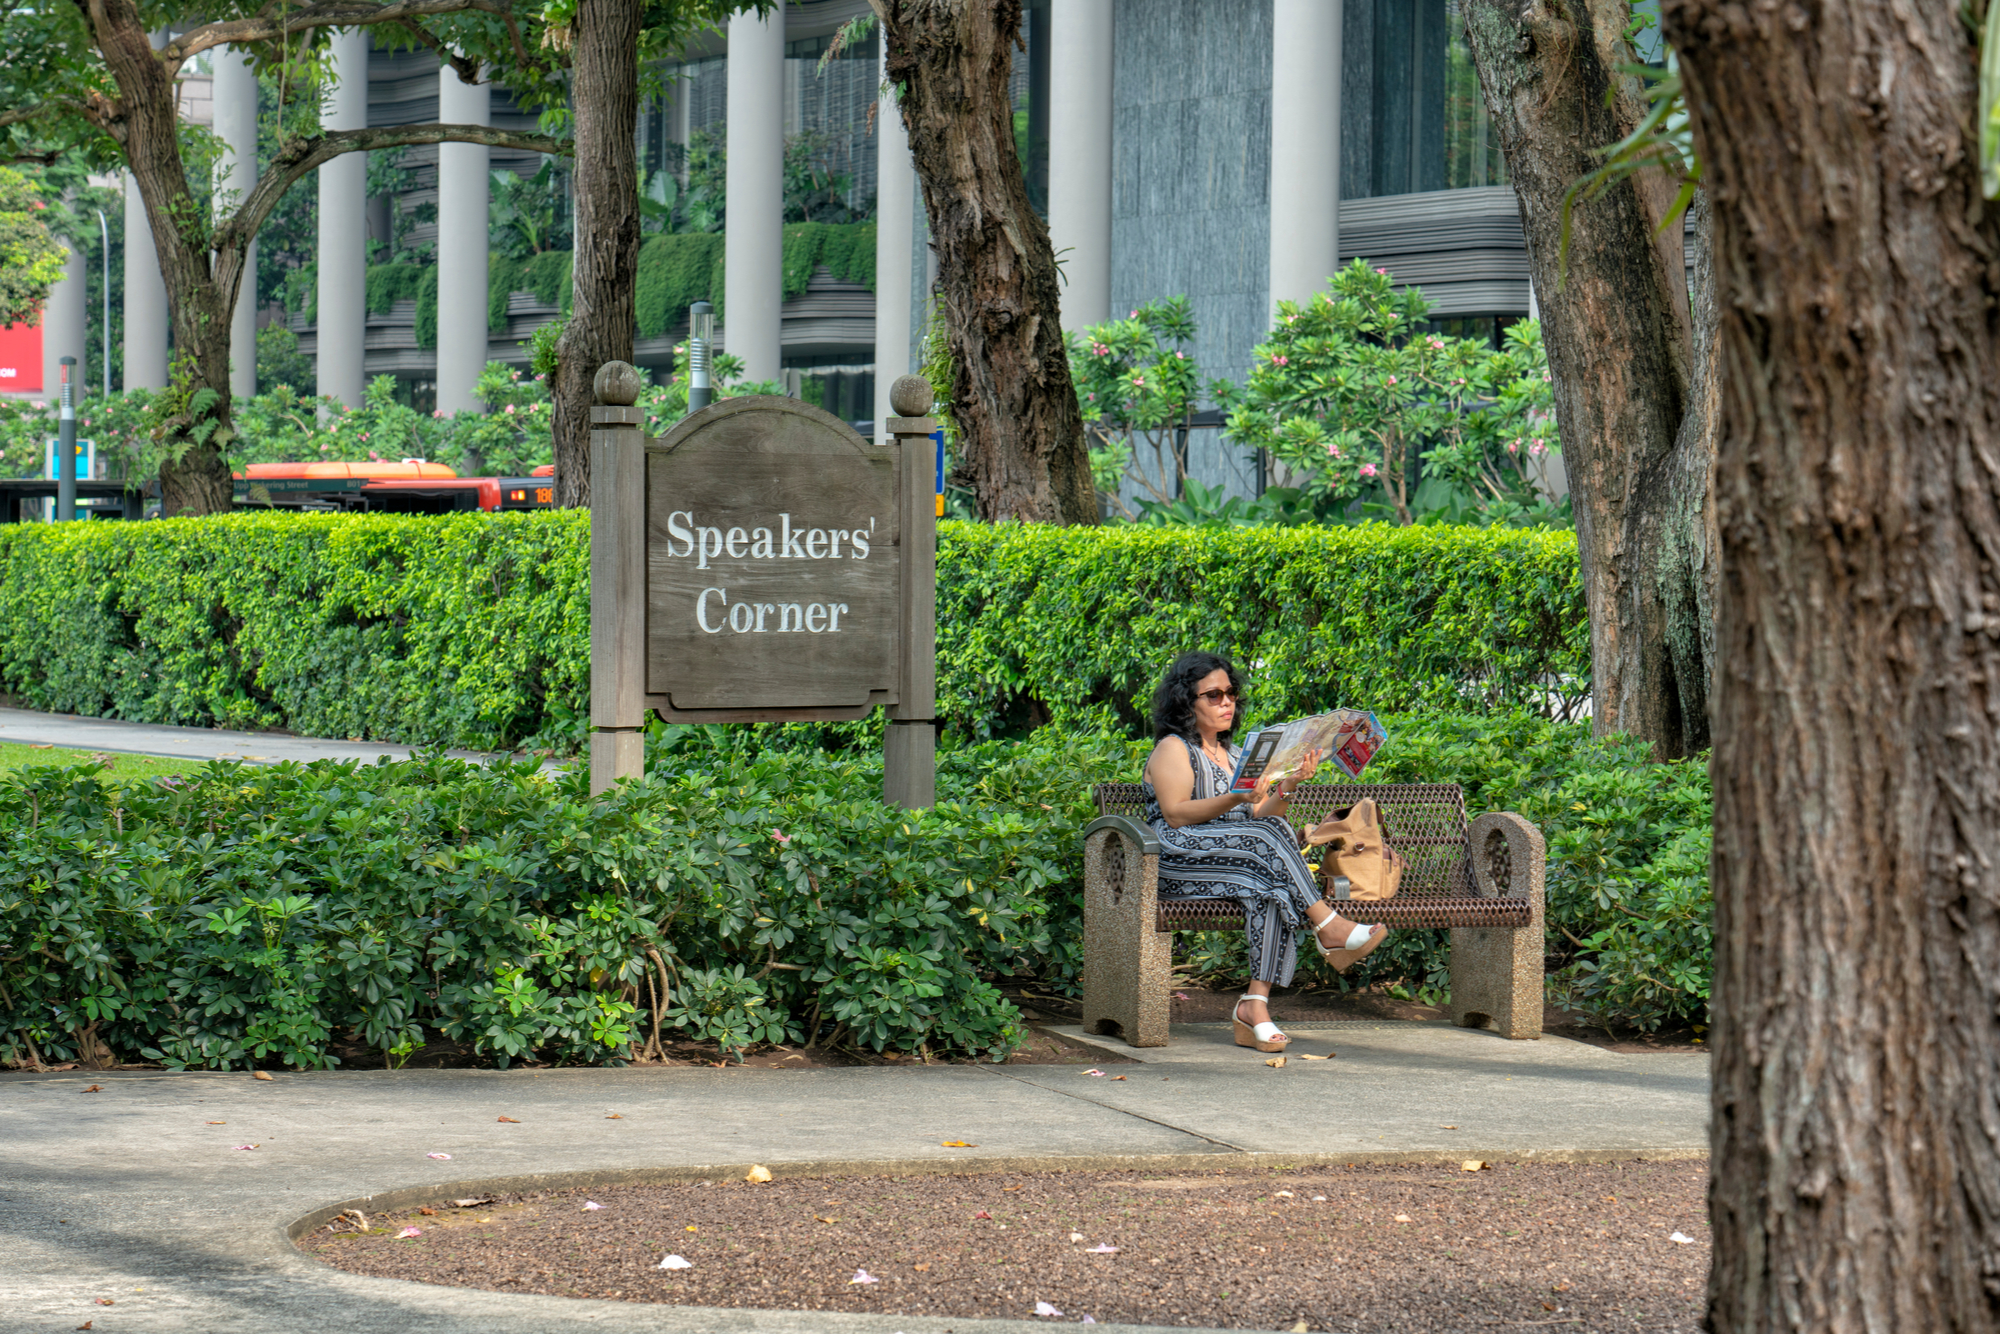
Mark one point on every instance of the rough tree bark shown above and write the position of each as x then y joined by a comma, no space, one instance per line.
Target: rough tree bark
1622,341
603,314
1855,1178
203,265
1020,431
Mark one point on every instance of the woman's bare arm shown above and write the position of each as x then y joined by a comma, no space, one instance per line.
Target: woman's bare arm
1172,777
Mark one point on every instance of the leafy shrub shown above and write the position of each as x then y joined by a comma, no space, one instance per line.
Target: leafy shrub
254,915
472,629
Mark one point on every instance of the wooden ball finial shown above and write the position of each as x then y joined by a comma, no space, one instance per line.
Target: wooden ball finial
911,396
617,384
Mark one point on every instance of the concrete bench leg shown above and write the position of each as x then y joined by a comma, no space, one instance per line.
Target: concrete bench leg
1127,960
1496,972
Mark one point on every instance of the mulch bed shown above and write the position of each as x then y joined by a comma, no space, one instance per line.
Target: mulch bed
1409,1248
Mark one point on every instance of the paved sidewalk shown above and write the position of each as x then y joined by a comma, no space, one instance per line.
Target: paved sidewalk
130,1194
193,743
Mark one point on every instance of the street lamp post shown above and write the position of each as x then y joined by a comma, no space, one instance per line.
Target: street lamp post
701,333
66,448
104,228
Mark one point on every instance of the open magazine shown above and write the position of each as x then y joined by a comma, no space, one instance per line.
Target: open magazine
1348,737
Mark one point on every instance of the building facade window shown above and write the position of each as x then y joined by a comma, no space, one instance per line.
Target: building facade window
1412,115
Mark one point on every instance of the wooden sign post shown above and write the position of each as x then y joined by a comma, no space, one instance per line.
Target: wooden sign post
761,562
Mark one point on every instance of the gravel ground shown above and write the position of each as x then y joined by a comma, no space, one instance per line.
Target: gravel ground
1410,1248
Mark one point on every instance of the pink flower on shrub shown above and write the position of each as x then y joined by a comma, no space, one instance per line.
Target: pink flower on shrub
437,412
1180,356
1134,315
1332,450
1367,470
1392,379
510,408
1138,381
1279,359
1383,272
1513,445
1091,397
1538,449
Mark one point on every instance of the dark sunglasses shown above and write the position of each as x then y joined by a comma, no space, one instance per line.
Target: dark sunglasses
1217,696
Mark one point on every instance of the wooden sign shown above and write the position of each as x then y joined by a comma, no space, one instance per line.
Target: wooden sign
773,566
761,562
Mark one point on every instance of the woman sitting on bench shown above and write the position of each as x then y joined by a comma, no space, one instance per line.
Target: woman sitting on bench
1215,843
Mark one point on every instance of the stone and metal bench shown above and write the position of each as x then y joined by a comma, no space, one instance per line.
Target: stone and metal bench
1484,881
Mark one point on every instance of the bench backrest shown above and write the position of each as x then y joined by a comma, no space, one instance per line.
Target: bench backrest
1425,822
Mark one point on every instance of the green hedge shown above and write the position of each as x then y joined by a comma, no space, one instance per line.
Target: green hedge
472,630
259,915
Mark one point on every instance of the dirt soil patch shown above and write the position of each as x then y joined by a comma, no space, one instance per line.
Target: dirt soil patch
1410,1248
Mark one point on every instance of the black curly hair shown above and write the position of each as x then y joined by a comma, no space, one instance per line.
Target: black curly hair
1173,702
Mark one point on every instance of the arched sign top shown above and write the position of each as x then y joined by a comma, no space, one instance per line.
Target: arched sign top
764,424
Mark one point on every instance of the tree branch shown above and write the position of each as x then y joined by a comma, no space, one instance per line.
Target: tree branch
299,156
329,14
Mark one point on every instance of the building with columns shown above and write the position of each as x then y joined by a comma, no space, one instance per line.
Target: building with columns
1234,151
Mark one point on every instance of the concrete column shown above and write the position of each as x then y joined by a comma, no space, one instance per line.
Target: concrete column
145,299
235,177
896,183
340,371
461,246
1305,147
753,265
66,326
1080,155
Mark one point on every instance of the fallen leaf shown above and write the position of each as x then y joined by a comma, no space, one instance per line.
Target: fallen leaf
1043,1308
955,1144
690,1228
613,1116
1180,995
1308,1056
1447,1127
106,1301
409,1232
259,1074
1010,1188
1285,1195
983,1214
591,1204
427,1211
1402,1218
1299,1328
1096,1073
437,1155
1547,1307
86,1324
510,1120
1088,1320
822,1218
1682,1238
1319,1199
1118,1076
95,1088
1102,1248
1560,1287
676,1262
1276,1062
863,1276
923,1268
472,1204
218,1123
1076,1236
42,745
1472,1165
246,1146
758,1173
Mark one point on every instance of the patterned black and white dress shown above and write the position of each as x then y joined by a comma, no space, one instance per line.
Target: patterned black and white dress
1238,856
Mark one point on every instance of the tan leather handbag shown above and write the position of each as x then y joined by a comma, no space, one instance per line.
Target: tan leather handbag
1358,852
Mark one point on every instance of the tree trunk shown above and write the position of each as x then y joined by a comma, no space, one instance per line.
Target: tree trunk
193,477
602,314
1618,330
1670,545
1020,430
1855,1157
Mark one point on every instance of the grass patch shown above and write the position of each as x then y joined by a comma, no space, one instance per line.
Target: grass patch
14,755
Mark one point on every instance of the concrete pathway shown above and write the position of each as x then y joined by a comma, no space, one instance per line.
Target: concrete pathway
193,743
129,1193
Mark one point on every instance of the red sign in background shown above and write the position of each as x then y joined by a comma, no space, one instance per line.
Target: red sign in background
20,359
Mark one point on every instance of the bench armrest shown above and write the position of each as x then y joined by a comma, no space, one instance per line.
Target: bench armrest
1142,835
1509,856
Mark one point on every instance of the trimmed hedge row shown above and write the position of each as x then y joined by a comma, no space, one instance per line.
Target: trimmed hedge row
472,630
